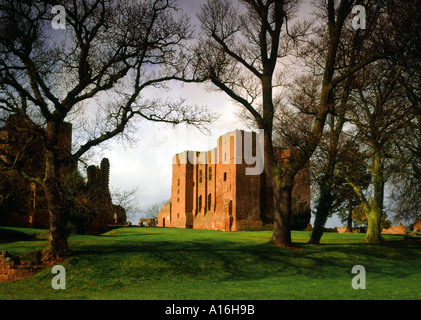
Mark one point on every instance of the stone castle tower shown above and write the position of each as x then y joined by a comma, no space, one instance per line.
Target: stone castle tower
99,196
98,177
215,190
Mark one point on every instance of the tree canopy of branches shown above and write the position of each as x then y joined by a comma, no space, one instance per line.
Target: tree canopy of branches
380,112
111,49
407,143
243,47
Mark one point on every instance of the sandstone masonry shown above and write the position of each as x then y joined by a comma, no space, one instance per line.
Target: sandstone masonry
212,190
30,207
12,268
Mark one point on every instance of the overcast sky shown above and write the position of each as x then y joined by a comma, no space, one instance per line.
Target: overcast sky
147,165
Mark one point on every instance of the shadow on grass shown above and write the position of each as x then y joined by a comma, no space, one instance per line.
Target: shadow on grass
230,260
9,235
119,235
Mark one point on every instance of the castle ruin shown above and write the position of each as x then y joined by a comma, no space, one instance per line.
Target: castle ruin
212,190
27,206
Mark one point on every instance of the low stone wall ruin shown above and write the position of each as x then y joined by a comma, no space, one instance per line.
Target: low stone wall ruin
12,268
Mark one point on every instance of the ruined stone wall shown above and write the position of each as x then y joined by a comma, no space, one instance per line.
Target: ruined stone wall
204,190
400,229
200,187
99,197
218,188
219,185
147,222
164,215
221,193
36,213
33,202
247,192
211,190
13,269
213,220
225,175
181,193
119,214
417,226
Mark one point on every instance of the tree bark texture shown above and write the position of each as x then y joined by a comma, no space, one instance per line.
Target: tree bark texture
58,244
374,214
324,206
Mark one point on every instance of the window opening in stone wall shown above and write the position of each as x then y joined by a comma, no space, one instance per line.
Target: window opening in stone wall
178,182
209,201
210,173
200,203
200,176
225,176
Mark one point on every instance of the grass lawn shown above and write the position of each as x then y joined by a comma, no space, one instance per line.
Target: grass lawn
167,263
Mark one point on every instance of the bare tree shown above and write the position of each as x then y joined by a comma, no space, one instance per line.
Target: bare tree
152,212
406,181
381,35
241,55
381,111
127,200
108,54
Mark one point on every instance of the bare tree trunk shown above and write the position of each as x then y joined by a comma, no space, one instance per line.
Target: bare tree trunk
324,206
282,216
373,227
374,214
349,219
279,178
58,244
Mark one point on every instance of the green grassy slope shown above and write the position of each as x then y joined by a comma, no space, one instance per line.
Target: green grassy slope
166,263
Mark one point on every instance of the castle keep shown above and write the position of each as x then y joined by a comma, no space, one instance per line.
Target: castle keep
225,188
